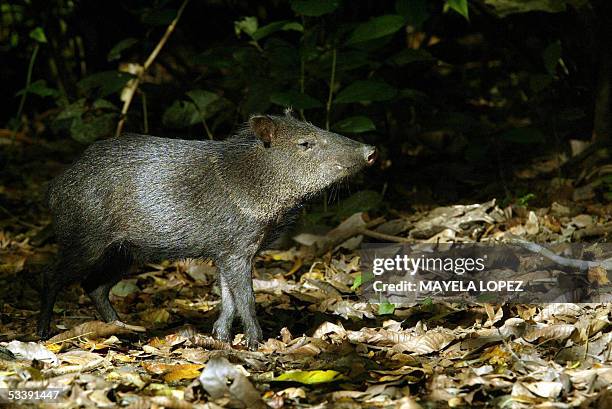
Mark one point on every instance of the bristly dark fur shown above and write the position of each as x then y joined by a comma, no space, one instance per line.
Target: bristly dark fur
141,198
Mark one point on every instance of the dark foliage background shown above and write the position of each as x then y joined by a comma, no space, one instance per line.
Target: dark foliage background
457,95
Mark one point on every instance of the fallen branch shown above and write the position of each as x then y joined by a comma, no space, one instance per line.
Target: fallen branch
96,329
583,265
338,236
128,92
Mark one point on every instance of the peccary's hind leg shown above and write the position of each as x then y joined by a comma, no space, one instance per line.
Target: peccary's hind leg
51,285
222,329
99,296
108,272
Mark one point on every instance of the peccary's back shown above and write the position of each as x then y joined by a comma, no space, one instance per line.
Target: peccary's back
159,196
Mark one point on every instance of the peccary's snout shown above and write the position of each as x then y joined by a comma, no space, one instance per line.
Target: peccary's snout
370,154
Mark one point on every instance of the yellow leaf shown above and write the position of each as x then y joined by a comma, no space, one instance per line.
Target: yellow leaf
598,275
184,371
90,345
123,358
55,348
310,377
157,342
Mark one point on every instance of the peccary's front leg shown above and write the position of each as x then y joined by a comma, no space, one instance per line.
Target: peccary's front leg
236,272
222,330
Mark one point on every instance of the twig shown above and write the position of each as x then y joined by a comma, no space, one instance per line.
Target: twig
334,238
383,236
133,86
207,129
13,217
302,67
592,231
330,96
28,81
563,261
145,113
509,348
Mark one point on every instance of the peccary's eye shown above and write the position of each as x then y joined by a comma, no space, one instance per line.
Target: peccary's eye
305,145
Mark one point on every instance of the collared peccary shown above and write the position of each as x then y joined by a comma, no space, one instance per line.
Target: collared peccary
139,198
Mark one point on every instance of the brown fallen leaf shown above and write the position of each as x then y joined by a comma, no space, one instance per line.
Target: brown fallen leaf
208,342
432,341
557,332
222,379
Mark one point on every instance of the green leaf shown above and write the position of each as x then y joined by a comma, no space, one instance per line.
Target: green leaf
524,200
38,34
314,8
39,88
274,27
386,308
295,99
247,25
104,104
74,110
181,114
427,302
208,103
414,11
310,377
460,6
90,128
376,28
413,95
292,25
115,52
551,56
357,282
504,8
366,91
355,124
525,135
606,179
362,201
124,288
108,82
409,56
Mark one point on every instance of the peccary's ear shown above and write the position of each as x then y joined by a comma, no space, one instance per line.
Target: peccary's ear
263,127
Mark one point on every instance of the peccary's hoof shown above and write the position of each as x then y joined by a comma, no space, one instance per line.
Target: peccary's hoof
253,344
222,332
253,341
44,334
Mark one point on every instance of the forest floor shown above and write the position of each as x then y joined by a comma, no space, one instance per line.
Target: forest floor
324,346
